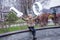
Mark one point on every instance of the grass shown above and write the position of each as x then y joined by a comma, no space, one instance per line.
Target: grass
15,28
10,29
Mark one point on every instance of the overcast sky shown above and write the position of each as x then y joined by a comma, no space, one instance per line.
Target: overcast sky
53,3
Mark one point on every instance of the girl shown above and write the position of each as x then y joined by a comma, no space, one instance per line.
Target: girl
31,23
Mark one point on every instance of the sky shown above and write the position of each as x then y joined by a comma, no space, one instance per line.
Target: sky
53,3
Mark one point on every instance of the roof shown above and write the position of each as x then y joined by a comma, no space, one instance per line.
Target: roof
55,7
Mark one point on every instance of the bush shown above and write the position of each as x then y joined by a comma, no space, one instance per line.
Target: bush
12,17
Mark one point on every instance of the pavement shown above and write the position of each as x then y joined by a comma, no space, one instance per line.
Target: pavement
46,34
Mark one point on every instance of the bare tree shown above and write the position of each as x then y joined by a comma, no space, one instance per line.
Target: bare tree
26,6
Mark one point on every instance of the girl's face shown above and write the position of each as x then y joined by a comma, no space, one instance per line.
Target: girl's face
30,16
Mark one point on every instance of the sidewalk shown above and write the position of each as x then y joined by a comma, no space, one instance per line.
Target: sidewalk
22,31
